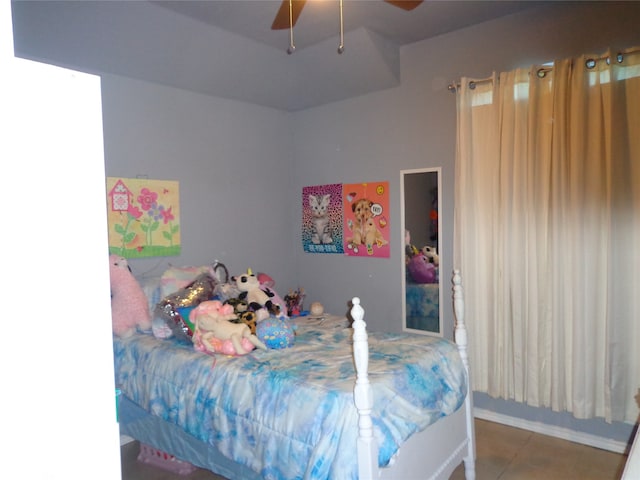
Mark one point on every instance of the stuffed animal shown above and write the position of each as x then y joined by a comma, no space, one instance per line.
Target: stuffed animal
249,318
239,306
421,270
432,254
257,297
410,250
268,283
245,315
216,333
266,280
129,306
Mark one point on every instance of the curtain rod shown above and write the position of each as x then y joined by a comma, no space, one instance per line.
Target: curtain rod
590,62
540,72
454,86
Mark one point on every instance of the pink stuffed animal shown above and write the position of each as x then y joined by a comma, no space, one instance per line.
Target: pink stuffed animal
129,306
216,333
421,270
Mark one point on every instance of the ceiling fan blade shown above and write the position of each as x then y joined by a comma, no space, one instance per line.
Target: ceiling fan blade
405,4
282,17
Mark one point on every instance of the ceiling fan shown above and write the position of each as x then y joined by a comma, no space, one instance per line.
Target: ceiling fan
284,21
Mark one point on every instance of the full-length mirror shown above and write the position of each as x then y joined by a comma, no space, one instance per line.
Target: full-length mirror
421,285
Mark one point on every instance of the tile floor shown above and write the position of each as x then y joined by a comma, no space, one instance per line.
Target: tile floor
508,453
503,453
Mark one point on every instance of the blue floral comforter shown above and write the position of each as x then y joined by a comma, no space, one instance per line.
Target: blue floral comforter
290,414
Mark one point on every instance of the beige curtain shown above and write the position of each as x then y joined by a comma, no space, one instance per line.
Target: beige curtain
547,229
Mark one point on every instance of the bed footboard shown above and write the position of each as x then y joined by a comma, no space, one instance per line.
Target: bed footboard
367,446
436,451
462,340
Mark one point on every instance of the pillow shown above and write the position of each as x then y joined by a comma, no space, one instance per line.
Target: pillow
177,278
168,312
184,313
152,290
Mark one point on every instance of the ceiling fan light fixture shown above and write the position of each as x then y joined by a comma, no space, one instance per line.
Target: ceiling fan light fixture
341,46
407,5
292,47
290,10
287,14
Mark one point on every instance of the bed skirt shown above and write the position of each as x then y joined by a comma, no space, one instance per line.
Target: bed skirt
165,436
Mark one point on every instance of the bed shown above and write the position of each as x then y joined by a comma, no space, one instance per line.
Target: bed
341,403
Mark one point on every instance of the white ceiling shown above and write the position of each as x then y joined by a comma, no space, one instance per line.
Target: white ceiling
227,48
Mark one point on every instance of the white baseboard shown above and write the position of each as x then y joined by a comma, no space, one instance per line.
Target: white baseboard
553,431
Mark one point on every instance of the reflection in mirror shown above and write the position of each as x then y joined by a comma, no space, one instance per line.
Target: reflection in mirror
421,285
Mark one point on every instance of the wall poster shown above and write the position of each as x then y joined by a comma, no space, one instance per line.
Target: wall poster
322,219
366,223
143,217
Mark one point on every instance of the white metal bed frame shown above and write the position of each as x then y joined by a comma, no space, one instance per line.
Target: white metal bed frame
433,453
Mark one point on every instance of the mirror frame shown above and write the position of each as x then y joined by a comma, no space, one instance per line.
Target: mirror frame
403,174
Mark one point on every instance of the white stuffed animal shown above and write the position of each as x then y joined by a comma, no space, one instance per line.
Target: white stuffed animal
432,254
257,297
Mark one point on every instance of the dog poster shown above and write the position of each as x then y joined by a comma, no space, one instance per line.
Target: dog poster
322,219
366,219
143,217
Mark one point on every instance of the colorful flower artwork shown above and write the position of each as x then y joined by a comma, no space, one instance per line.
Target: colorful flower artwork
143,217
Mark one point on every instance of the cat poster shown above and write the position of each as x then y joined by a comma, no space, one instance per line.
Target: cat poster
366,219
322,219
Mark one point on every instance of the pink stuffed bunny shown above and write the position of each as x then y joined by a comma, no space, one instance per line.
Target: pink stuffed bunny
129,306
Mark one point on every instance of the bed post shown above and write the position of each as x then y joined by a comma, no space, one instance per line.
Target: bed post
367,447
460,336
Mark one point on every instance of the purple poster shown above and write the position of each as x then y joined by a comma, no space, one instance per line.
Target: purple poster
322,219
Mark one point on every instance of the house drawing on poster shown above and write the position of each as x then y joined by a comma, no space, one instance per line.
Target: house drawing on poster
119,196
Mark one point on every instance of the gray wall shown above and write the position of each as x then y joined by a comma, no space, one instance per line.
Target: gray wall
375,136
242,168
233,161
